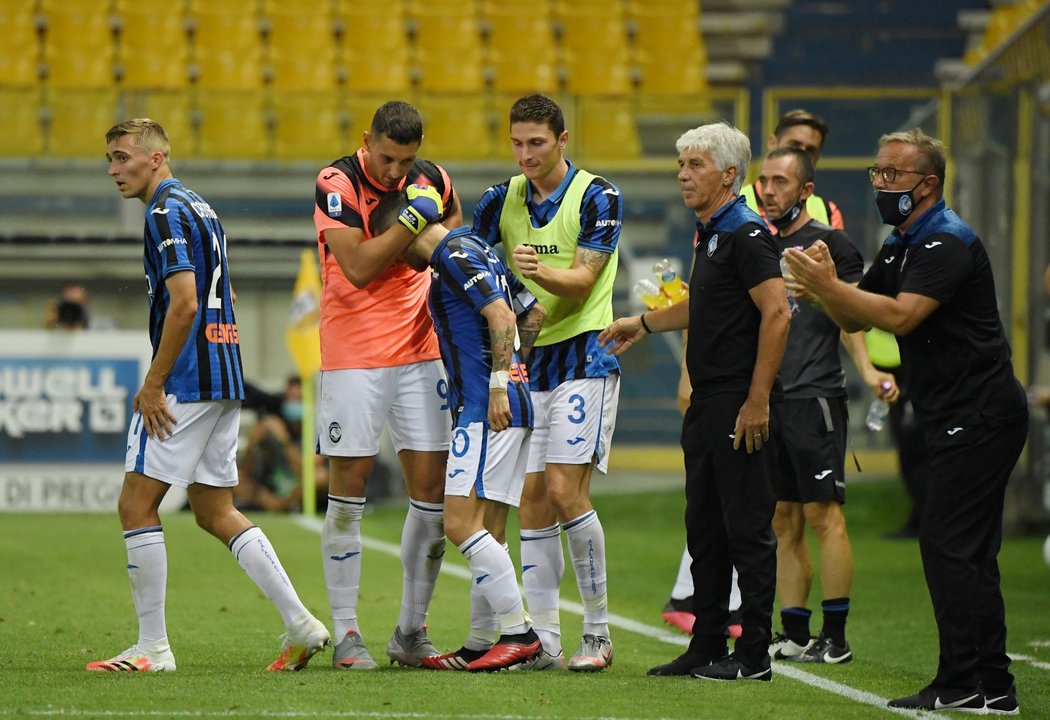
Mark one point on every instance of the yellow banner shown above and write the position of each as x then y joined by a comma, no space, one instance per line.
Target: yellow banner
303,335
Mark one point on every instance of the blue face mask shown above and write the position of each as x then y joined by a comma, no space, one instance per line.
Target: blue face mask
292,410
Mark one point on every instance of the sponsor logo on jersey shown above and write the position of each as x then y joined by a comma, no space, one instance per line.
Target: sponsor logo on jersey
607,223
221,333
476,279
168,242
822,474
544,249
933,244
335,205
160,211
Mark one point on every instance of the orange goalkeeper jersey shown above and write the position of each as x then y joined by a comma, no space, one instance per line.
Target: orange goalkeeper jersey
385,323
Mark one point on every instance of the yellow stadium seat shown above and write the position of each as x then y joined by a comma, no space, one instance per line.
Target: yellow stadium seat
227,48
360,109
78,45
308,126
172,110
233,125
514,71
457,128
153,47
19,44
668,48
78,120
374,47
302,48
447,46
23,134
606,130
594,47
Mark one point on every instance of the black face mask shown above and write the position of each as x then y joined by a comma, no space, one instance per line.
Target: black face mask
895,206
785,220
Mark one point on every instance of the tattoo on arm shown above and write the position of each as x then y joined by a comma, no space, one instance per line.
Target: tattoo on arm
502,347
592,260
529,328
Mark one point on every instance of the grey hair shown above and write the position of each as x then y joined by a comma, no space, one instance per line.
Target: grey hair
727,146
931,150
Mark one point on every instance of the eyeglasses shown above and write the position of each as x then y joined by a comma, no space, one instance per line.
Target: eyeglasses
889,174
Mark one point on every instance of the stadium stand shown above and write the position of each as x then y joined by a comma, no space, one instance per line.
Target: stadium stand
458,128
308,126
594,47
153,48
227,47
301,48
511,70
668,50
172,109
77,120
19,44
23,134
233,125
78,44
606,130
374,47
447,46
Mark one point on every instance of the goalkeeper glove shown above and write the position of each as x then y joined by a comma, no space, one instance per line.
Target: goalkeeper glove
424,206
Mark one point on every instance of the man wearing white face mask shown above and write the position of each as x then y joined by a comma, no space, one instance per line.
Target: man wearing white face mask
932,286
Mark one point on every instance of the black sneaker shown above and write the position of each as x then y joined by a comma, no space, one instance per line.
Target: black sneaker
824,650
731,668
1002,703
681,665
931,698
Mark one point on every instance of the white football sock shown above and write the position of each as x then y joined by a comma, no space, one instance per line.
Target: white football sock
587,550
341,559
493,572
258,558
148,572
422,549
542,567
484,625
683,584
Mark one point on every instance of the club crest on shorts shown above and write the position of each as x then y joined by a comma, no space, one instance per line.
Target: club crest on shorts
712,245
335,432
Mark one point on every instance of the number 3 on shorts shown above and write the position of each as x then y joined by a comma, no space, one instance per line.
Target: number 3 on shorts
578,414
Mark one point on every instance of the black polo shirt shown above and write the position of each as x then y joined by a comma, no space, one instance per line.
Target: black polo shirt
734,253
812,366
956,363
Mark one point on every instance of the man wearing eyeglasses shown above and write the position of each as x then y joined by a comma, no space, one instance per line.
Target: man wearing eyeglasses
931,285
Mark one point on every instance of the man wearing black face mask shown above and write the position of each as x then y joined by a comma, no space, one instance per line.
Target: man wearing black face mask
811,482
932,286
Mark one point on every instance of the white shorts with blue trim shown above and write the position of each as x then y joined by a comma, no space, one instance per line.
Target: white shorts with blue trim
489,463
202,448
574,423
355,404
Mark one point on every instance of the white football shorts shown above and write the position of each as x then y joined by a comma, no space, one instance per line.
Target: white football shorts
355,404
202,448
492,464
574,423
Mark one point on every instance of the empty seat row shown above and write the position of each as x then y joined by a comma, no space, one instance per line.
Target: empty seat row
579,46
291,126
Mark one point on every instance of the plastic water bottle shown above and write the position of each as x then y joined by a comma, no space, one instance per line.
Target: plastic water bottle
647,291
878,410
670,284
785,271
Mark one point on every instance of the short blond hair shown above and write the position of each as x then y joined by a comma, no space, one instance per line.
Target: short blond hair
150,135
931,150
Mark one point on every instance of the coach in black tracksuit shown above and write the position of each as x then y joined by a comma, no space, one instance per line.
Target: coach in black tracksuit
738,318
932,286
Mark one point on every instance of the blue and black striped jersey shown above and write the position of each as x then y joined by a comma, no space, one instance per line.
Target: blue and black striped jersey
183,233
466,276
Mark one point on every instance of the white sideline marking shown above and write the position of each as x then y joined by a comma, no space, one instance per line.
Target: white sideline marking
1041,664
651,631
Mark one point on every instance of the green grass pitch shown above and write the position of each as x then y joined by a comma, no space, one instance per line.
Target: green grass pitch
64,600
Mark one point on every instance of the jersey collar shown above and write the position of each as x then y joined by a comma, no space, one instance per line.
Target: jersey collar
559,192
